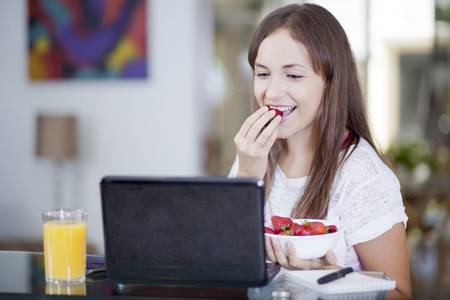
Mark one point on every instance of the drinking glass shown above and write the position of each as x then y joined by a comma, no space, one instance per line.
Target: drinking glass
65,245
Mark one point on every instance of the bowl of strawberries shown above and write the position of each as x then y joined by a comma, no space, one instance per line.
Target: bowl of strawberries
312,238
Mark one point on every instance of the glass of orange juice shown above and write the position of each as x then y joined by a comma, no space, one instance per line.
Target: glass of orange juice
65,245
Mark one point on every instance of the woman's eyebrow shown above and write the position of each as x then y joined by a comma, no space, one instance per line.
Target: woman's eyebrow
293,65
284,67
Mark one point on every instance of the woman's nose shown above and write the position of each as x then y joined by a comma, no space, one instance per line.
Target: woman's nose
275,88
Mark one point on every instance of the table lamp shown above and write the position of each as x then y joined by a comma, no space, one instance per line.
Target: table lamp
56,139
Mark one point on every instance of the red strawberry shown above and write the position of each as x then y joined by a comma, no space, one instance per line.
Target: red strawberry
277,112
287,232
306,230
269,230
331,229
319,227
281,223
295,229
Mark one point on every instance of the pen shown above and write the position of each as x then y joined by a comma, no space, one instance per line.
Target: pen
335,275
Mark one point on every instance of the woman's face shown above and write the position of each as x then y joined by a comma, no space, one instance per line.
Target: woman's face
285,80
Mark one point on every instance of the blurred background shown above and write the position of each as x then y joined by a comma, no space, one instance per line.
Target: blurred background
179,116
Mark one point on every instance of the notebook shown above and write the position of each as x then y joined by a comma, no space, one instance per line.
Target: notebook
184,231
351,283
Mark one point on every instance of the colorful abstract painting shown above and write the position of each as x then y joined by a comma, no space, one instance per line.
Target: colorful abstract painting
87,39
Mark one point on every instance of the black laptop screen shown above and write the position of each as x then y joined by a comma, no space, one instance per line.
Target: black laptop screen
184,230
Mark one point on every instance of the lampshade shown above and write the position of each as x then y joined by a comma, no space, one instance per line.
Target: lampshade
56,136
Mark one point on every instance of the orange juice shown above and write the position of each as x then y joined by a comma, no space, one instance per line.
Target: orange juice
65,250
65,289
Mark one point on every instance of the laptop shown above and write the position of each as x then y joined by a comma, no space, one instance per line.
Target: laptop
197,231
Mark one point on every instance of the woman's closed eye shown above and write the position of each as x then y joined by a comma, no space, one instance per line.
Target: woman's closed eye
262,75
294,76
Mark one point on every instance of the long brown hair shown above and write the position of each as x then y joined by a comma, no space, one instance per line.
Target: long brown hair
342,106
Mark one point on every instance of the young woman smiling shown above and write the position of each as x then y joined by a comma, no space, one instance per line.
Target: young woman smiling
318,158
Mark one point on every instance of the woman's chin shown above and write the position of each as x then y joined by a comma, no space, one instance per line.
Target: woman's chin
282,136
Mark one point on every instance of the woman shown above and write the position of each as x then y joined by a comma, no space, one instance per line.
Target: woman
309,139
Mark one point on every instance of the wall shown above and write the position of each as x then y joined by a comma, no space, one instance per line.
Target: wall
394,27
148,127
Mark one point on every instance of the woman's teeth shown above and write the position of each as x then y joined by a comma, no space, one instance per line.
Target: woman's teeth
283,108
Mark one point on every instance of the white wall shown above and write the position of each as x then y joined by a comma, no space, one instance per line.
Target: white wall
395,27
147,127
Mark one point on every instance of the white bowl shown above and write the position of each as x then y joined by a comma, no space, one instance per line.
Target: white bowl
309,246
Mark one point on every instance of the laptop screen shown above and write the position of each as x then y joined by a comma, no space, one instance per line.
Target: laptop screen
194,231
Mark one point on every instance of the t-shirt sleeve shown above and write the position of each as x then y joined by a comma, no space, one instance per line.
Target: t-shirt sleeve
373,207
234,168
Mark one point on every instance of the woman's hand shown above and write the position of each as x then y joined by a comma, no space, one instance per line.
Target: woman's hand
254,141
276,254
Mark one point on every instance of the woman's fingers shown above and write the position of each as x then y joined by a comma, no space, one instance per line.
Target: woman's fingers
254,141
269,250
258,137
280,257
330,258
256,124
296,263
243,131
261,125
329,261
292,262
268,136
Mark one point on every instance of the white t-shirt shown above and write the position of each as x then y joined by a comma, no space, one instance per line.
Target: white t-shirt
365,199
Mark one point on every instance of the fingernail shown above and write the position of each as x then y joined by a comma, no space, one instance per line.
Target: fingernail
265,108
272,112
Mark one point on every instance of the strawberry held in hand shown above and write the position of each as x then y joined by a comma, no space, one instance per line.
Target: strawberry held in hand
277,112
281,224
